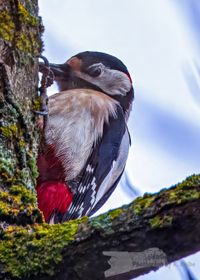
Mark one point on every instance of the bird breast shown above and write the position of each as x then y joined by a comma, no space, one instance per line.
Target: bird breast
76,121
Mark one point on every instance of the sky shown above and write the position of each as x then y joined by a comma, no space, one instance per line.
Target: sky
158,42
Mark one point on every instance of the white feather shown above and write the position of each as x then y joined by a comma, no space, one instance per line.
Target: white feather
111,81
74,128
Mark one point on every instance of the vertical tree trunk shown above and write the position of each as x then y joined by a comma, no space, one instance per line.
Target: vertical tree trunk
20,44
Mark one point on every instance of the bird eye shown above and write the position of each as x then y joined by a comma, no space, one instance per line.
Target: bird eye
94,71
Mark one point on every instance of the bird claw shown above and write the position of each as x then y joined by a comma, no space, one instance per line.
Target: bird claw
48,73
46,81
41,113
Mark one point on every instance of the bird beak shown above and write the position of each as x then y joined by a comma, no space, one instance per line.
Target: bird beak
60,71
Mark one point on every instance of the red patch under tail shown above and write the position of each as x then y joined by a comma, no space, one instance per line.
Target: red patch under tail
53,196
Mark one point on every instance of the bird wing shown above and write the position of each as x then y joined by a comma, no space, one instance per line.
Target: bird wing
103,169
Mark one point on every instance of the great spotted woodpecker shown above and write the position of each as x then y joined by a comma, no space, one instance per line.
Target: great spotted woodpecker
86,136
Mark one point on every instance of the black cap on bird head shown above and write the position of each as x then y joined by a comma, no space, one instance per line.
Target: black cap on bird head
98,71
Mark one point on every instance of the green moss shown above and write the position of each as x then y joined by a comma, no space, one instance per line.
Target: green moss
37,104
19,206
22,143
29,251
7,168
27,38
23,194
160,221
141,203
9,111
32,163
8,171
27,42
23,42
191,181
7,210
23,176
185,191
180,193
7,164
104,222
115,213
182,196
18,149
9,131
26,17
7,26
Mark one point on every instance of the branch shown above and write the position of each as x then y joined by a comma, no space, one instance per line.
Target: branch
153,230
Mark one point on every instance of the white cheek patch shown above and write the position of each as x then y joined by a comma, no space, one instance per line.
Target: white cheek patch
114,82
111,81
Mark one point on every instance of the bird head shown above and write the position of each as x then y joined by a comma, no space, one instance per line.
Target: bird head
98,71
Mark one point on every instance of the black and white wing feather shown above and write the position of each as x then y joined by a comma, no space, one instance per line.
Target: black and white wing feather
103,169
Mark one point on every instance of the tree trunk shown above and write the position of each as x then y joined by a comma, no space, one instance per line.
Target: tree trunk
20,43
148,233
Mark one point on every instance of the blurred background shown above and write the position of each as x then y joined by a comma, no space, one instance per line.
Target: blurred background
159,42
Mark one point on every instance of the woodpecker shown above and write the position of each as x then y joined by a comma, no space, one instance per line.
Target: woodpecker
86,139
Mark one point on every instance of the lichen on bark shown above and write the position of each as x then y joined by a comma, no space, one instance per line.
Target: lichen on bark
21,26
20,43
28,251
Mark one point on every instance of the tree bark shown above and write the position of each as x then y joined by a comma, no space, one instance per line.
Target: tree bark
20,43
150,232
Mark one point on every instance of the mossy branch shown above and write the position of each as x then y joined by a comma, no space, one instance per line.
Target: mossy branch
163,227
